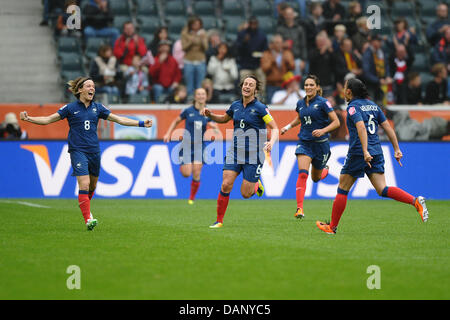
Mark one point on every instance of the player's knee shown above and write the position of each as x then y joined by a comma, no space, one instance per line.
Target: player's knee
226,187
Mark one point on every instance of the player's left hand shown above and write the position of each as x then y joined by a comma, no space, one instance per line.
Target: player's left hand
368,158
268,147
148,123
318,133
398,156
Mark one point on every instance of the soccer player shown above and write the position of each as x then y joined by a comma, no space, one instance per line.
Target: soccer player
82,116
191,153
317,119
246,154
366,156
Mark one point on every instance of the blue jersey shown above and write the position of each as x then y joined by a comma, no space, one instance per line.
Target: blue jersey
195,125
83,125
367,111
249,128
313,116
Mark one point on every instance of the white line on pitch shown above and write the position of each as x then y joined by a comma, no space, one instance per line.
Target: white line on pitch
29,204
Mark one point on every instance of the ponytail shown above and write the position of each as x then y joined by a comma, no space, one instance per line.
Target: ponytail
76,84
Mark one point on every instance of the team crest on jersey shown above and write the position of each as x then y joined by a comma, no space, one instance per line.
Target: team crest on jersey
252,110
94,110
316,106
191,114
352,111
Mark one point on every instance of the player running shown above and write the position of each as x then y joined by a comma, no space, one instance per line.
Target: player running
82,116
365,155
193,145
246,154
317,119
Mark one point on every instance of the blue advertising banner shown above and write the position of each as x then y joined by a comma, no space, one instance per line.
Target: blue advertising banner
143,169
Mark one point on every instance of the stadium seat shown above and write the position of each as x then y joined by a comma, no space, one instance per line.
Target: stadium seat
421,63
120,20
119,7
71,62
175,25
209,22
68,44
148,25
174,8
261,8
67,75
231,27
92,46
227,98
402,9
146,8
113,98
204,8
233,8
267,24
139,98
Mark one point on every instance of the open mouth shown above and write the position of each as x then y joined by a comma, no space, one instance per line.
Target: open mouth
91,94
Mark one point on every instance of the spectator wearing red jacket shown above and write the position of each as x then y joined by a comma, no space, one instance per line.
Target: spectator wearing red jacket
128,45
165,72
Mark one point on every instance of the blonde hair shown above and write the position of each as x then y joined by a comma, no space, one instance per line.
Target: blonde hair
76,84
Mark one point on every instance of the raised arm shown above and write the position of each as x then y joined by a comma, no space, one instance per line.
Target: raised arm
40,120
292,124
224,118
172,126
393,139
129,122
362,134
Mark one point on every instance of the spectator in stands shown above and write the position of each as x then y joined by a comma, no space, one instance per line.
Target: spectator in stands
214,40
212,96
436,91
291,92
194,43
97,20
340,32
414,89
441,51
128,45
51,7
165,73
137,79
251,42
223,70
333,10
104,71
361,38
435,31
61,21
375,69
275,62
282,4
161,34
179,95
403,35
399,65
354,13
178,53
294,36
315,23
347,60
322,62
10,129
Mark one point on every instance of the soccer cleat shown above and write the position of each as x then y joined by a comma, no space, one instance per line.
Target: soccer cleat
91,216
190,201
259,188
299,213
91,224
216,225
325,227
421,207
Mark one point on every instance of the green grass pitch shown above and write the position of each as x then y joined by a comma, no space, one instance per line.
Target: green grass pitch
163,249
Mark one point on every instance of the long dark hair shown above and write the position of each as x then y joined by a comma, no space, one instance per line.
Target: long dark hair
317,81
358,88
